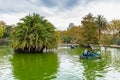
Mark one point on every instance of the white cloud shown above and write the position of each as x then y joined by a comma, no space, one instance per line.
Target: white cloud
110,10
12,18
13,10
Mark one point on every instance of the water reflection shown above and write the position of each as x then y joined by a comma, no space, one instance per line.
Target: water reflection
115,58
113,69
69,68
5,65
65,65
35,66
106,68
94,69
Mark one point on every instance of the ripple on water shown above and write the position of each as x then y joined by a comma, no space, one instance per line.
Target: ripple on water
69,66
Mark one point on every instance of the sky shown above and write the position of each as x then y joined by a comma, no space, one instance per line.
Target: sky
59,12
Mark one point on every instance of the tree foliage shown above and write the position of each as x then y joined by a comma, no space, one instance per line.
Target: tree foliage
1,32
8,31
64,37
75,33
89,30
106,39
114,29
101,24
2,28
72,35
34,34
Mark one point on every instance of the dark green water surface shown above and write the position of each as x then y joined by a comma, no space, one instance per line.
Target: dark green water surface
63,64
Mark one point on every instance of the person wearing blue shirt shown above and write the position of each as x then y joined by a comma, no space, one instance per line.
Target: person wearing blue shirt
85,53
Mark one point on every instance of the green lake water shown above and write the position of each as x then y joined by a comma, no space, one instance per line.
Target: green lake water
63,64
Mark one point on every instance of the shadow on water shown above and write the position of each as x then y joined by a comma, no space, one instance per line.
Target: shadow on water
35,66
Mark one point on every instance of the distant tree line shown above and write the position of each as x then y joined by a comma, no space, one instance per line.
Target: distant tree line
93,30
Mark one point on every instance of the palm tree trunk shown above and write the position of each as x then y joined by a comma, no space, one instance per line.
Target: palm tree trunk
99,33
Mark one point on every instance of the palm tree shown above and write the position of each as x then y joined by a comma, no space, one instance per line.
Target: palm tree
34,34
101,24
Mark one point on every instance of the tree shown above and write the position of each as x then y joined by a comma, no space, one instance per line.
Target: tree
75,33
101,24
34,34
2,28
65,37
71,35
89,30
106,39
8,31
1,32
114,29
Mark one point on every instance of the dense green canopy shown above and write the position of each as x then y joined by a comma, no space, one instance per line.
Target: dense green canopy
89,32
2,28
1,31
33,34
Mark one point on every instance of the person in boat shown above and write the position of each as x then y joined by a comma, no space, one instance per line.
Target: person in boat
91,53
85,52
98,53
